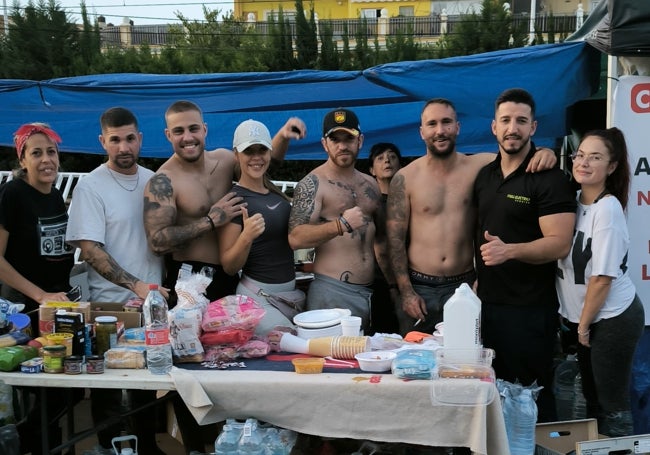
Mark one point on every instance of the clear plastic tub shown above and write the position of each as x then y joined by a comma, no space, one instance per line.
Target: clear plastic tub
463,377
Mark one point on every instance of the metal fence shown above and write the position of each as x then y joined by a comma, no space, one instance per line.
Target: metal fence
426,26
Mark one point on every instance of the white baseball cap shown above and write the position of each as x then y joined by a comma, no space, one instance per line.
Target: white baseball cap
251,132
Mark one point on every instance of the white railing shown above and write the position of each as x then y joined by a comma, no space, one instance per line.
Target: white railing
66,181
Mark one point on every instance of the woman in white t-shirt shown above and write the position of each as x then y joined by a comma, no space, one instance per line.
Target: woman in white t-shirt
597,297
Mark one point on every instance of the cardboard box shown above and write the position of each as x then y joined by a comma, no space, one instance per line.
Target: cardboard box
638,445
130,319
560,438
47,310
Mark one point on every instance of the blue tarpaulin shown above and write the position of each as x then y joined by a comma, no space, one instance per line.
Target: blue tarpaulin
387,98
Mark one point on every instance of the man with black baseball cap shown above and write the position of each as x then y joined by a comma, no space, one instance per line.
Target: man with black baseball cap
337,210
341,119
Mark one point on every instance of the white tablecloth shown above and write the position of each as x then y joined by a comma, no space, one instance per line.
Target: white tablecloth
343,405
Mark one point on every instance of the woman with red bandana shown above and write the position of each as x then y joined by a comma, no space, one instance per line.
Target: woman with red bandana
35,261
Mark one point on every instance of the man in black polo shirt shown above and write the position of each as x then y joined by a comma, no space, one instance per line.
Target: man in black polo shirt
525,223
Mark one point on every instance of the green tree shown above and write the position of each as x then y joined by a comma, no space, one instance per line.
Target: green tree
280,52
487,31
346,62
402,46
89,44
329,57
306,38
41,42
362,53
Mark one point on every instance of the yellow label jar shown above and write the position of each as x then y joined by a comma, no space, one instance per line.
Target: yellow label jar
53,358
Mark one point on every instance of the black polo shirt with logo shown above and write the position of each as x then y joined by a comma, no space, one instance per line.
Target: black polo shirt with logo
510,208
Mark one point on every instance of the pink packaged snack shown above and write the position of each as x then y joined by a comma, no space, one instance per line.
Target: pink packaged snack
233,312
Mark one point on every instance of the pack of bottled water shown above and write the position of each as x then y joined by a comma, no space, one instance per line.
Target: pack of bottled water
252,438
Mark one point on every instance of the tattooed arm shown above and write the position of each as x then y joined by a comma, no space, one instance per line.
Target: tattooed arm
96,256
306,229
164,235
399,213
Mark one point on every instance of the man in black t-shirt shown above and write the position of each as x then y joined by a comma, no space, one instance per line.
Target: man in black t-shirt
525,223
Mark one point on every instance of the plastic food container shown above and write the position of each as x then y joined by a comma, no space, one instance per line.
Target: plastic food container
463,377
308,365
375,361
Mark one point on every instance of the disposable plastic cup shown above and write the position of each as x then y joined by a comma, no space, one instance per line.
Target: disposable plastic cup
292,343
351,326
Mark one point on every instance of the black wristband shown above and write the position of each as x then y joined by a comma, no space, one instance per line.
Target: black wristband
211,222
346,224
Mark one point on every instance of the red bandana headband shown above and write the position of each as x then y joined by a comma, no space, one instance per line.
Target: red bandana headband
27,131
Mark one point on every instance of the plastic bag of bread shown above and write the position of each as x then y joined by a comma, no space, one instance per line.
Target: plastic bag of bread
126,357
184,331
232,312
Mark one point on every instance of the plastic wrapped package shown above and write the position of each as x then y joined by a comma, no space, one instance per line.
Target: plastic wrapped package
12,356
185,328
125,357
233,312
248,350
414,364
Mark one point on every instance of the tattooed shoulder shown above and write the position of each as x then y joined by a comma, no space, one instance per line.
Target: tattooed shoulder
160,186
304,200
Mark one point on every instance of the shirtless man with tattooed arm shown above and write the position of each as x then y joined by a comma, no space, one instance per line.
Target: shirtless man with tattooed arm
184,203
337,210
430,203
188,198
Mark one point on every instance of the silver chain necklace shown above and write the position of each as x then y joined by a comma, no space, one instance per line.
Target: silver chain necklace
130,190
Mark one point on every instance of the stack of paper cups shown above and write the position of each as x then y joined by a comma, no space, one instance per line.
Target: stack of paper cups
321,346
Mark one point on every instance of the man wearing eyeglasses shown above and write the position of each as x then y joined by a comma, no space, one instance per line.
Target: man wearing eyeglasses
525,224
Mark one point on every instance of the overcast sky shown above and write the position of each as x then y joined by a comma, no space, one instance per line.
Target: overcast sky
140,11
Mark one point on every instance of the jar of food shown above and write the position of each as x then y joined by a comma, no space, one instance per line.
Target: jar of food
72,364
53,358
95,364
105,333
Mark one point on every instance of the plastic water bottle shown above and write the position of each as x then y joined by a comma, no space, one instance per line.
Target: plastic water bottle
520,415
273,443
564,387
251,442
227,442
579,402
462,318
159,350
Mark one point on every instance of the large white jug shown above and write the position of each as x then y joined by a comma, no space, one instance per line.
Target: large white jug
462,318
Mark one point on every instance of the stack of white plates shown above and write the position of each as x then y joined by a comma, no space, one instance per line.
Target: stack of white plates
320,323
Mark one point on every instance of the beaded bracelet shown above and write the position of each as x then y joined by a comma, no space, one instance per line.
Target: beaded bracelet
339,227
211,222
346,224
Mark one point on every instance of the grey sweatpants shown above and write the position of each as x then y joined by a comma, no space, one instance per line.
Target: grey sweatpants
326,292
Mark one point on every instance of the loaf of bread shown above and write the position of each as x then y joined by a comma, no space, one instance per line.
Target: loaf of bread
466,372
125,358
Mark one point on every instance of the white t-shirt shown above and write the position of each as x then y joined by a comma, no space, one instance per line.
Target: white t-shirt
108,212
600,247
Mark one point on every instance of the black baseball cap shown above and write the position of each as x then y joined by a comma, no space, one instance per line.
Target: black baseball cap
341,119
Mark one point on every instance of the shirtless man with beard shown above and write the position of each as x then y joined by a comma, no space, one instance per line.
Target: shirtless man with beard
184,202
337,210
188,198
430,202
